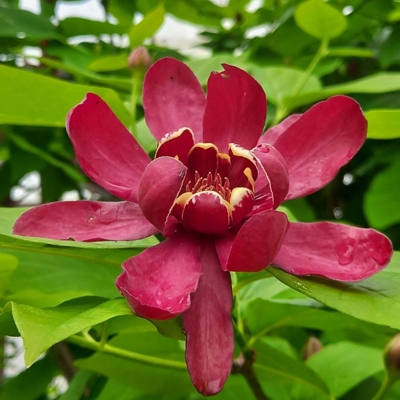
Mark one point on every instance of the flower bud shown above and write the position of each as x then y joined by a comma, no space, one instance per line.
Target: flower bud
139,59
391,356
312,346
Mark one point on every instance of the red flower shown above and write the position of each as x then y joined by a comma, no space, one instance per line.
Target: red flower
212,191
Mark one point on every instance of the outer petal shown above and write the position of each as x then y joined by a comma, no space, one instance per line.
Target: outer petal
85,221
276,175
320,142
335,251
272,134
255,245
158,189
104,148
157,283
208,326
172,99
236,109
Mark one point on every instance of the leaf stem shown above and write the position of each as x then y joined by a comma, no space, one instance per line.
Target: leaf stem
244,365
126,354
384,389
322,51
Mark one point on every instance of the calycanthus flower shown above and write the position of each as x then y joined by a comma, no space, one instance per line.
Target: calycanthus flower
212,191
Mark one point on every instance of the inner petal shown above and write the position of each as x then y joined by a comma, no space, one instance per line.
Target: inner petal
203,158
206,212
176,145
241,159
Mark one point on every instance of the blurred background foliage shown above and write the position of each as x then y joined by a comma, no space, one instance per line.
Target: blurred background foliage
300,53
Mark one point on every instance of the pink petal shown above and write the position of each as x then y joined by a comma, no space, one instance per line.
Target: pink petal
335,251
85,221
208,326
236,109
276,176
160,185
157,283
255,245
320,142
272,134
105,149
172,99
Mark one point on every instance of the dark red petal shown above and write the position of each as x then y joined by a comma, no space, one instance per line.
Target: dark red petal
208,326
273,165
160,185
256,243
203,158
272,134
241,202
157,283
105,149
320,142
335,251
206,212
240,160
177,145
172,99
236,109
85,221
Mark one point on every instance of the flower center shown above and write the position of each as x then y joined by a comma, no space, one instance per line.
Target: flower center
211,183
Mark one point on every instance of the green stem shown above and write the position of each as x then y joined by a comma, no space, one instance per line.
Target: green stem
322,51
282,111
384,389
244,365
137,81
126,354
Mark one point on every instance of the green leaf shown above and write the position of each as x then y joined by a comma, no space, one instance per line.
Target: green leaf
83,26
265,315
170,328
279,82
23,144
54,269
376,299
40,299
116,390
41,328
30,384
109,63
144,137
320,19
198,12
383,124
277,371
147,27
14,23
8,264
381,82
333,361
77,386
171,383
124,84
381,202
7,324
32,99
